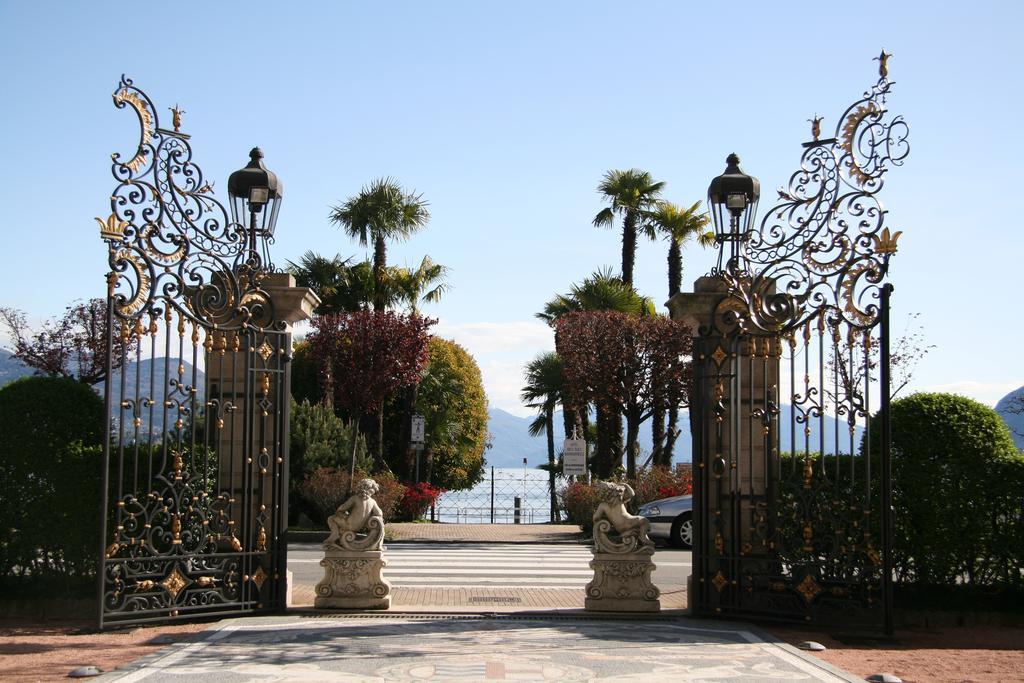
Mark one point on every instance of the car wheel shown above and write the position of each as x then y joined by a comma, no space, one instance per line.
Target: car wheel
681,535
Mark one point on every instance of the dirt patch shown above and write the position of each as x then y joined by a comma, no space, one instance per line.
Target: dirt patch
46,651
975,654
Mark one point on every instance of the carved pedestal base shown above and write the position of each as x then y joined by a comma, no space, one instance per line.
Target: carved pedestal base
622,583
353,580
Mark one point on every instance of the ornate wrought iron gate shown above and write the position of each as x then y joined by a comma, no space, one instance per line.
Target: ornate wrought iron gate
792,389
197,394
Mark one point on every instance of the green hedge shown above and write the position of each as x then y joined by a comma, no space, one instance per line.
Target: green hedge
958,494
49,484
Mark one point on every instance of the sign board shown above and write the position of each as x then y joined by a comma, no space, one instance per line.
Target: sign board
419,425
574,457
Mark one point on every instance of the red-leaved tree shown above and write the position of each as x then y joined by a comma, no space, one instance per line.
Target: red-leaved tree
632,364
367,356
74,345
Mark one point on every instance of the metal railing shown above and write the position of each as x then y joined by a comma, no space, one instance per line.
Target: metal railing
505,496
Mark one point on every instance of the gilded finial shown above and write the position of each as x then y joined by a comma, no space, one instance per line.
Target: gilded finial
816,126
176,117
886,242
883,64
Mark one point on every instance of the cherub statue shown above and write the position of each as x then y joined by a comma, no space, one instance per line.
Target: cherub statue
360,514
612,514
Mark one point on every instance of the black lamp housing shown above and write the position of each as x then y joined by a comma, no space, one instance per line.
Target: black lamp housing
255,194
732,199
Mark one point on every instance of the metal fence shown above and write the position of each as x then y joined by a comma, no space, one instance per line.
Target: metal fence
505,496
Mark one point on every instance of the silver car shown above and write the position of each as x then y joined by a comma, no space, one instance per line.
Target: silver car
671,519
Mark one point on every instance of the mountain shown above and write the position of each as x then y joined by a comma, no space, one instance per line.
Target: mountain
511,440
11,368
1011,409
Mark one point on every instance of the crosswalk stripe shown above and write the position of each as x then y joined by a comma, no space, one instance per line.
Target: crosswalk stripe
491,566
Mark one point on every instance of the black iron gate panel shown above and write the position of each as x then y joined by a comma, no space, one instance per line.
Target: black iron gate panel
196,397
792,486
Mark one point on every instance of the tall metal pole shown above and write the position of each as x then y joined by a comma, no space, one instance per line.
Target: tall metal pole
105,466
492,494
886,426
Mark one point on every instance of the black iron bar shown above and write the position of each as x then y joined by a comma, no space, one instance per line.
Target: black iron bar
886,453
101,573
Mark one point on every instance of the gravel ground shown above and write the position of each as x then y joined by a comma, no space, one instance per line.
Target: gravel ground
940,655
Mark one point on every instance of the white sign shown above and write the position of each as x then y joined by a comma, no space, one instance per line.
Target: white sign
574,457
419,428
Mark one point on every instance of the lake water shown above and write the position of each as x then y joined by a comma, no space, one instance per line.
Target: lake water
473,506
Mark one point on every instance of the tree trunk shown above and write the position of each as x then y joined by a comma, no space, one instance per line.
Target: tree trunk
668,453
658,433
551,461
380,261
675,268
408,403
628,246
632,445
603,456
569,421
609,441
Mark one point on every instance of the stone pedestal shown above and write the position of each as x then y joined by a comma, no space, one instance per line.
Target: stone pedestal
353,579
622,583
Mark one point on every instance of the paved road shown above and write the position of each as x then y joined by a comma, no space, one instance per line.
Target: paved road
487,564
437,648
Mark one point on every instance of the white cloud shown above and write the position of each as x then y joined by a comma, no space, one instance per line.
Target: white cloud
501,350
988,393
521,336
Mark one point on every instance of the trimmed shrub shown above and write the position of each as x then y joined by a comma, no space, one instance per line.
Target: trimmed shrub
49,482
324,489
958,490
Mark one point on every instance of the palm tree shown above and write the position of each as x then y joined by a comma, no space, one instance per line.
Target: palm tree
381,211
427,283
678,225
629,193
543,391
602,291
343,286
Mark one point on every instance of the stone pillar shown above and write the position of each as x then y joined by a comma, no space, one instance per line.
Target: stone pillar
734,426
230,357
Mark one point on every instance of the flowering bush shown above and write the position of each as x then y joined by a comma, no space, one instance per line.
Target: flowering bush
658,483
417,500
580,500
324,490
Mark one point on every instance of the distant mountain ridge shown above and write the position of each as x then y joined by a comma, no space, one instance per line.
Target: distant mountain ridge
1011,409
511,441
11,368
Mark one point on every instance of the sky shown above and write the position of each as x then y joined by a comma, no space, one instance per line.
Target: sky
505,116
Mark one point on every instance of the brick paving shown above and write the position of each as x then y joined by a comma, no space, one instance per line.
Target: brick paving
475,599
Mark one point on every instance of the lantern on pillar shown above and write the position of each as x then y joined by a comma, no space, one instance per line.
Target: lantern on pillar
255,194
732,199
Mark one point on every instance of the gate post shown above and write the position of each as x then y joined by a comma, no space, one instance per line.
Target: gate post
733,417
291,304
